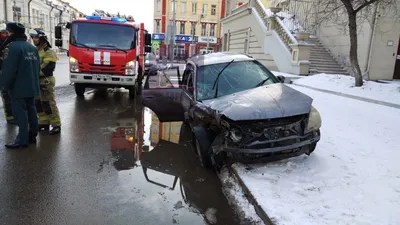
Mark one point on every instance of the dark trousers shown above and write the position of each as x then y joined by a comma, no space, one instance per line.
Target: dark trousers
7,105
25,116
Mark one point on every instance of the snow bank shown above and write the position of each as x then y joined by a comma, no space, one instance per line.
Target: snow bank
387,92
352,177
238,200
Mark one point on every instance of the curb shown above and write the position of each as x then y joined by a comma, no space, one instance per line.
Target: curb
378,102
250,197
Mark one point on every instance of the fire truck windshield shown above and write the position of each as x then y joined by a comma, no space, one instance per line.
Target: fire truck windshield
102,36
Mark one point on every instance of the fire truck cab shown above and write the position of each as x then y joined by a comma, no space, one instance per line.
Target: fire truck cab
105,52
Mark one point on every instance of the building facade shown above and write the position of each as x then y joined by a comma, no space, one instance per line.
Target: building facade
42,14
197,25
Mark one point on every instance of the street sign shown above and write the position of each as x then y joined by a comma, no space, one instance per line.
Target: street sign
185,38
157,37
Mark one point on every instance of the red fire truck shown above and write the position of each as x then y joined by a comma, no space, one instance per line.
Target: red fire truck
105,52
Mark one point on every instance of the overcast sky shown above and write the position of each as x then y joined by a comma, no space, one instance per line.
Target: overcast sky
141,10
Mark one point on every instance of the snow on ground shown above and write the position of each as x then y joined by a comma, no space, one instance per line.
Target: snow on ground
388,92
276,73
353,177
238,200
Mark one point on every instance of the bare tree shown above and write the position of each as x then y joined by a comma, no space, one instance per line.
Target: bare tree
357,11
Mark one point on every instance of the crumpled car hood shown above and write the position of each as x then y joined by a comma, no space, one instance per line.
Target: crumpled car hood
265,102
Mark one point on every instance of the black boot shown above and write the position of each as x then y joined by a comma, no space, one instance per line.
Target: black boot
15,146
43,127
55,130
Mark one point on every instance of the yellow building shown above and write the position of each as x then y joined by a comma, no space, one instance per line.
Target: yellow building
165,131
197,24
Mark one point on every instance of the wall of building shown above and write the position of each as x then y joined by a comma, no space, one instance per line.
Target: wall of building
41,16
384,47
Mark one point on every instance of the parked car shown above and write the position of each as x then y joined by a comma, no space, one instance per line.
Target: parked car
235,107
150,60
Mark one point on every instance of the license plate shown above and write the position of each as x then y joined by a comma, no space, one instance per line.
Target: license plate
101,76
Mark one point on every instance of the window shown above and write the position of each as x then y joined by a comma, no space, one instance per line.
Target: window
193,29
158,5
103,36
212,30
213,10
183,7
194,8
203,29
205,9
182,28
232,79
157,26
17,14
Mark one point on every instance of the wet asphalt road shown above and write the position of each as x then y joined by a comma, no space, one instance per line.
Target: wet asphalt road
112,164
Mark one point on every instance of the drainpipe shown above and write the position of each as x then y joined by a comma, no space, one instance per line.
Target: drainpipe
29,12
5,11
375,16
51,29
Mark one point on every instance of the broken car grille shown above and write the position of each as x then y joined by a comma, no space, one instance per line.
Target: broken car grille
272,133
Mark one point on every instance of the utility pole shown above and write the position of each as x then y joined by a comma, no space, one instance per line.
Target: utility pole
208,36
172,41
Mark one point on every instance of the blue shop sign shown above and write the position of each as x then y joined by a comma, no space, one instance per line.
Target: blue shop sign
185,38
159,37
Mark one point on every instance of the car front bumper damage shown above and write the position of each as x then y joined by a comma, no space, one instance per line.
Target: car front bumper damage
258,152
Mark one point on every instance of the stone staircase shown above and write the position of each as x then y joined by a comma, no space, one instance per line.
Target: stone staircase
321,60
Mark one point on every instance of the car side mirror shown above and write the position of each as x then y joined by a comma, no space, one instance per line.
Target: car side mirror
58,32
67,53
68,25
147,49
147,39
281,78
59,43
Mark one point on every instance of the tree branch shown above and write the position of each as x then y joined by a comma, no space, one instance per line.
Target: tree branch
366,3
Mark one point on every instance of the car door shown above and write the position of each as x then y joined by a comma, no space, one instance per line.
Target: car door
163,95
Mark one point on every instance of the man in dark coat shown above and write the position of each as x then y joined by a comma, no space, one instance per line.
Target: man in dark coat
4,95
20,78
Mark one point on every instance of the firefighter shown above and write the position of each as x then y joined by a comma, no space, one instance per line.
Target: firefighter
20,78
46,104
4,95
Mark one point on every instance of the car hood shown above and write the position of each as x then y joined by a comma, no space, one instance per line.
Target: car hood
265,102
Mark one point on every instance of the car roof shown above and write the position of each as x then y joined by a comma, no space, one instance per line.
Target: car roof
218,57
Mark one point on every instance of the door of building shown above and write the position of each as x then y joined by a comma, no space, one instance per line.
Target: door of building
396,74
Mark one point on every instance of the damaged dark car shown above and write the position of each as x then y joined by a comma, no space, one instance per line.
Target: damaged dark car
237,109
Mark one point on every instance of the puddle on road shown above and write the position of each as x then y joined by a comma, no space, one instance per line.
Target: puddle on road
158,167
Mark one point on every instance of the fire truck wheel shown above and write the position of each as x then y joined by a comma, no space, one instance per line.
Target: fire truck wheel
132,93
79,89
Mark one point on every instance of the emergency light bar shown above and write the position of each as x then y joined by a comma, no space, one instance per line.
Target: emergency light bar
115,19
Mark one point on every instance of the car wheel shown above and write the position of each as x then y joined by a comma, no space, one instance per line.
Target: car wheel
79,89
204,157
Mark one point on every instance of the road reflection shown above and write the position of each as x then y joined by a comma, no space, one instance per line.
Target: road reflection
164,154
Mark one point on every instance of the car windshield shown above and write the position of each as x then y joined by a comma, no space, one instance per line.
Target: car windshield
238,76
106,36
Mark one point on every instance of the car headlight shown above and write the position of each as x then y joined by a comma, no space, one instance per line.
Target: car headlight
130,68
314,121
236,135
73,65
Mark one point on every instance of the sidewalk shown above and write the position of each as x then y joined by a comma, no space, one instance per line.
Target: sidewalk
383,93
351,178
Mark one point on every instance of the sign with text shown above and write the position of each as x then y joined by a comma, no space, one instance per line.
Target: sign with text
158,37
205,39
185,38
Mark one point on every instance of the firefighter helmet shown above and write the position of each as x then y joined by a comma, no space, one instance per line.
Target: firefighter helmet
40,34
